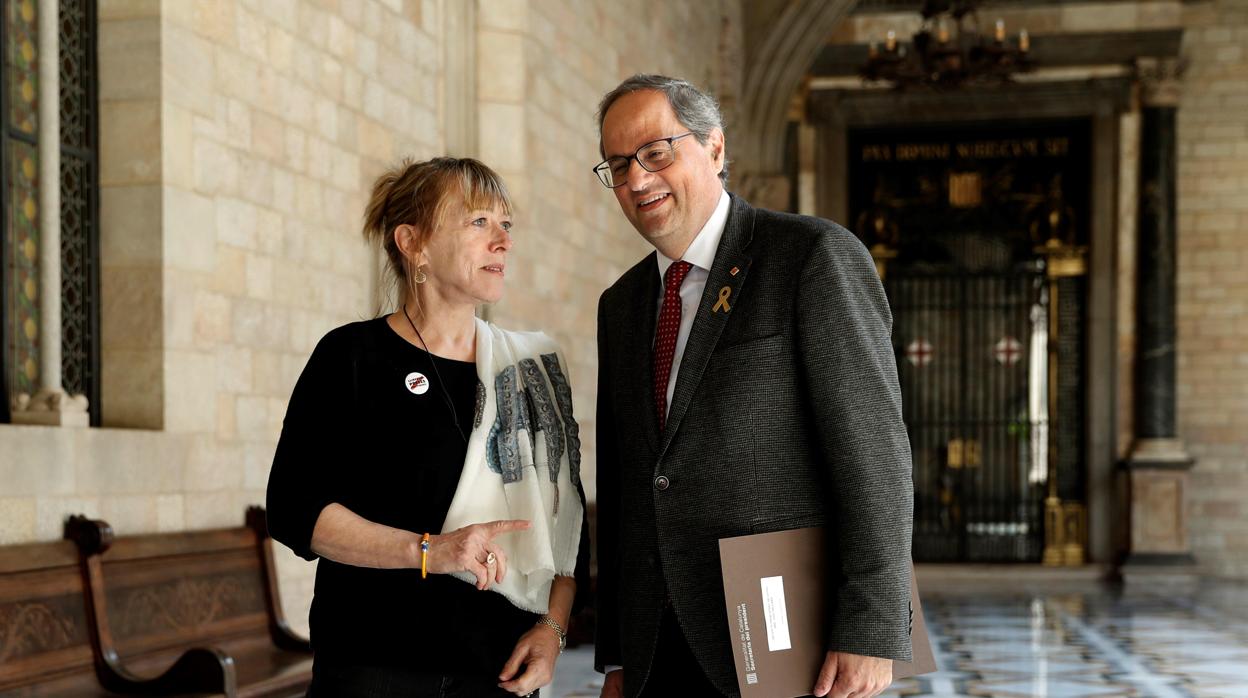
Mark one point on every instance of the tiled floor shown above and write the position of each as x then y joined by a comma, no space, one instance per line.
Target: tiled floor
1024,639
575,676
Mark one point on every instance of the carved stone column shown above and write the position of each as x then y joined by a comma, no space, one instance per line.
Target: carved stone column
831,157
51,404
1159,465
807,169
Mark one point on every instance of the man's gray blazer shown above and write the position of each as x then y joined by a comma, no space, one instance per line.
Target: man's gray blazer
786,414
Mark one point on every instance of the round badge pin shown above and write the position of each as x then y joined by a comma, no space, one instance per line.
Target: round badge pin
416,383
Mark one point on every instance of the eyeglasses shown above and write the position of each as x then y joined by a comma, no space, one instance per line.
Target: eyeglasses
653,156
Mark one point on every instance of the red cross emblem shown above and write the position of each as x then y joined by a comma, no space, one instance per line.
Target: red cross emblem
919,352
1008,351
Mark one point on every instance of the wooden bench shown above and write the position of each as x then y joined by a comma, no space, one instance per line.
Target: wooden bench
193,613
45,645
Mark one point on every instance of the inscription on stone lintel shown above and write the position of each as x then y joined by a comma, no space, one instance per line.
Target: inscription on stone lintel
995,149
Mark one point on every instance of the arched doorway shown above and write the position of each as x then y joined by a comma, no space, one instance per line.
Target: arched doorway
956,193
958,216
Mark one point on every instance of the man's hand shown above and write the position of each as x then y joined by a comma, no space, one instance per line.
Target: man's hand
613,685
845,674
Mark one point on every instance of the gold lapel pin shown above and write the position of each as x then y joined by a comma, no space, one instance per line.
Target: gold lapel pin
723,300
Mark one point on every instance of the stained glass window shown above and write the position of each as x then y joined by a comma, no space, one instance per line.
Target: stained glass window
19,201
21,198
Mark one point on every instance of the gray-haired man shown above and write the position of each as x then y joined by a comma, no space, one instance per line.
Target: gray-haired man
746,384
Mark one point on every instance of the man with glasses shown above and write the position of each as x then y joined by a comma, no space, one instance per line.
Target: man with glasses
747,384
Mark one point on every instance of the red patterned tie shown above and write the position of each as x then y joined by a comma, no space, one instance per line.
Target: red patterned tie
665,335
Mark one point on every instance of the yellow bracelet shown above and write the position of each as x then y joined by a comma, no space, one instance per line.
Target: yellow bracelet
424,554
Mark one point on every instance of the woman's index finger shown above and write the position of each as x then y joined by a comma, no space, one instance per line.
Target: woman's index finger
506,526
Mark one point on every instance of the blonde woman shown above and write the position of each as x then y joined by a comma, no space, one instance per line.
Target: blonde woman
431,460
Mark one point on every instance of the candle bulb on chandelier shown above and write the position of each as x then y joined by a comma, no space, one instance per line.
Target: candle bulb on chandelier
947,51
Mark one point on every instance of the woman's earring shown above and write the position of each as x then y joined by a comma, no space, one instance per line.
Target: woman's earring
420,277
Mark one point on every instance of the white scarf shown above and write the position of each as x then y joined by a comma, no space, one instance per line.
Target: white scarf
524,431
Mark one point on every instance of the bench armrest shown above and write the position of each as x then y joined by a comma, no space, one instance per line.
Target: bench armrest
279,629
288,639
198,670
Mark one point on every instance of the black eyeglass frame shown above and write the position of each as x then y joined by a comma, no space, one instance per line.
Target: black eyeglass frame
670,140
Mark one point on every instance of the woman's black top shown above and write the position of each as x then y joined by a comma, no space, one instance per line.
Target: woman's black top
355,434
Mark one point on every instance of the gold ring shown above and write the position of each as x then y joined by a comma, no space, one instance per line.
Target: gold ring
491,559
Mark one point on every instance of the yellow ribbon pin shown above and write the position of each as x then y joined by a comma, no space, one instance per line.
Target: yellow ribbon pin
723,300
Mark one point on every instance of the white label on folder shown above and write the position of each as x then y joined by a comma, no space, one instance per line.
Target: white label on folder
775,614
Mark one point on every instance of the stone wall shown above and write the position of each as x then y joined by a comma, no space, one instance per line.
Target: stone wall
277,117
131,251
239,141
1213,279
544,64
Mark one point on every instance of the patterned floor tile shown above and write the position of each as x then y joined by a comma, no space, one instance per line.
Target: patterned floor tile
1233,690
575,676
987,649
1176,636
1042,666
1097,642
1222,669
1050,688
1183,653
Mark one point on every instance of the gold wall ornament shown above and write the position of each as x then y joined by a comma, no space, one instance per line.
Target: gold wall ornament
1065,533
972,458
1063,260
1065,523
1054,532
882,254
1052,218
953,454
966,189
1075,524
963,453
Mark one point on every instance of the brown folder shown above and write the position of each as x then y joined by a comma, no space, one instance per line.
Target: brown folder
775,589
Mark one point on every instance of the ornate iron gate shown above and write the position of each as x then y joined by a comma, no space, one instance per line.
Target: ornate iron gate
974,228
972,355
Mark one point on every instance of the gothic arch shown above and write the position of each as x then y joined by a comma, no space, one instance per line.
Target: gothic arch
774,71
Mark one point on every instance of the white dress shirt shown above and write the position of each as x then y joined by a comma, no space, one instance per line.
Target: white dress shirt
701,254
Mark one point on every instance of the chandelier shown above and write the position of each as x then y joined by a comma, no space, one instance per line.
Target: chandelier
949,51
